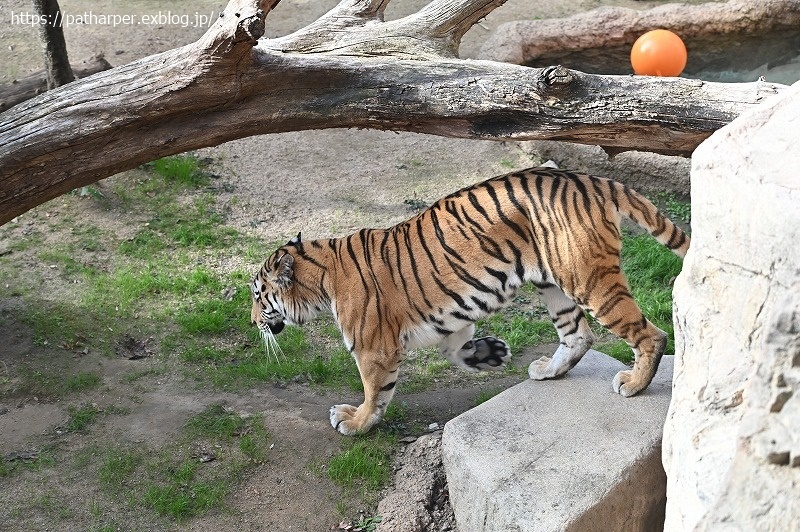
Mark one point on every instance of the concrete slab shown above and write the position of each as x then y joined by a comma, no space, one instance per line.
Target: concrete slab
561,455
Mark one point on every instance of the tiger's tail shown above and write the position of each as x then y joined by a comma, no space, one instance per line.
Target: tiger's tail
639,209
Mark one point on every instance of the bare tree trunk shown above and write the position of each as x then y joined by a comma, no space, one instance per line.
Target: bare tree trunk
56,61
348,69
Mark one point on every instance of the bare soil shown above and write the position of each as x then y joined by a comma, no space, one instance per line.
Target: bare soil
323,183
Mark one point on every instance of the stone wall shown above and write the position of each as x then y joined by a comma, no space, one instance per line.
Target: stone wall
732,436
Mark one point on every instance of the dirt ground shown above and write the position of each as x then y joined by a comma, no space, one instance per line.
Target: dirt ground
323,183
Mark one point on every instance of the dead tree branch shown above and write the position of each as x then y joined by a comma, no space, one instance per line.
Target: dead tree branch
348,69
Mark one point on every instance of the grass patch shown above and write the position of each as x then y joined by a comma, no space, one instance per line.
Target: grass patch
80,418
300,361
364,463
83,381
422,369
37,461
187,487
117,467
216,422
182,495
185,169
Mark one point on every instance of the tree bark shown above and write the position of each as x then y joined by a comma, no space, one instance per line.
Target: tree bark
56,60
26,88
348,69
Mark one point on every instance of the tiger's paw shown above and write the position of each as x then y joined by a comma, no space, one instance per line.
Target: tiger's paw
625,385
540,369
341,419
490,354
350,421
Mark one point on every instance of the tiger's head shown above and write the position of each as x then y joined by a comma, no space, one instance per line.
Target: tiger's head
270,289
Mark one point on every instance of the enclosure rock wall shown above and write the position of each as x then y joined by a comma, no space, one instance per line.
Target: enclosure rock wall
732,436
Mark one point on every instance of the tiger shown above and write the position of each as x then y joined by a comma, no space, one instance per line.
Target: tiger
427,280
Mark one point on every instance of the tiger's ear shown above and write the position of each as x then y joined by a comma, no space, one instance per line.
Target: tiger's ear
294,241
285,271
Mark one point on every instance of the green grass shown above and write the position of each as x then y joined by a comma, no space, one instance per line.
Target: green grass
422,369
83,381
117,467
300,359
216,422
182,496
364,463
396,412
185,169
81,417
187,487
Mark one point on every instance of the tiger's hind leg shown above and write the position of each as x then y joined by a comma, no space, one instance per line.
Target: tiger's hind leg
618,312
480,354
574,335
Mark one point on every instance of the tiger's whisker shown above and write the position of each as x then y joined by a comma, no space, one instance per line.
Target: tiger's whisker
271,346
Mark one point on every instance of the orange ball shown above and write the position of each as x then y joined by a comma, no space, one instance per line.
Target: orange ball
658,53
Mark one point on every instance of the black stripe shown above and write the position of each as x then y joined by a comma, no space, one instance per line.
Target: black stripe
470,220
461,316
475,203
425,248
450,206
518,266
490,247
474,282
480,304
414,268
395,230
505,219
451,294
499,275
440,237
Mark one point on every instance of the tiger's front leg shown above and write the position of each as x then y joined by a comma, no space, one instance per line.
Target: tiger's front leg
379,380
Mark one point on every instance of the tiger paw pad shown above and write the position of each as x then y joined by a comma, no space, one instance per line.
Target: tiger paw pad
491,354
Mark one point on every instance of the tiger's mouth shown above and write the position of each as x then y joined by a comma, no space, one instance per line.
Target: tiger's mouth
275,328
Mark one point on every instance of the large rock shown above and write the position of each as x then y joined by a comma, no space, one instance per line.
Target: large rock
561,455
732,437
